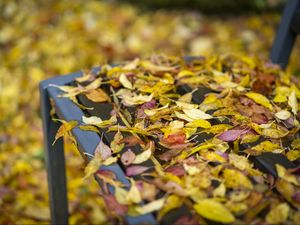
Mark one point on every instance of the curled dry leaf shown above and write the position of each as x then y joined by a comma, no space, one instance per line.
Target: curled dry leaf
98,95
128,157
125,82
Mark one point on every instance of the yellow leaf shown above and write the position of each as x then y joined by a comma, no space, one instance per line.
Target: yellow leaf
98,95
245,81
65,129
274,133
110,161
135,99
121,195
266,146
186,97
283,173
93,166
278,214
125,82
134,195
296,143
185,73
199,123
95,84
293,154
260,99
195,114
97,121
172,202
213,210
102,153
147,208
293,102
239,161
280,98
93,120
236,179
219,191
219,128
131,65
114,145
142,157
283,115
213,156
155,68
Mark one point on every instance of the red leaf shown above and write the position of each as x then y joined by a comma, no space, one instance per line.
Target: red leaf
177,170
233,134
146,105
173,139
186,220
135,170
131,141
115,206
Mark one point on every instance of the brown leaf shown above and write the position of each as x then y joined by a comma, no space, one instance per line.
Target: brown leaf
98,95
114,206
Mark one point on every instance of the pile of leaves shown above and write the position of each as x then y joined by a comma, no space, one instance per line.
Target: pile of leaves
43,39
189,152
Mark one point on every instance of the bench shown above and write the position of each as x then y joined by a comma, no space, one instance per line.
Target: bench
87,140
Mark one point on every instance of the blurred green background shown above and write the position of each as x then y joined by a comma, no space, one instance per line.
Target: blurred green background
41,39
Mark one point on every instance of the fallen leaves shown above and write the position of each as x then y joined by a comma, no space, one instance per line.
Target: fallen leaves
102,156
98,95
260,99
214,210
130,36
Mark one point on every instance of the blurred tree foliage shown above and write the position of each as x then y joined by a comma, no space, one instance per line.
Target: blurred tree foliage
215,6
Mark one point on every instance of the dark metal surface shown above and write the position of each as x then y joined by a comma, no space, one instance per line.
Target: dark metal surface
296,22
286,36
